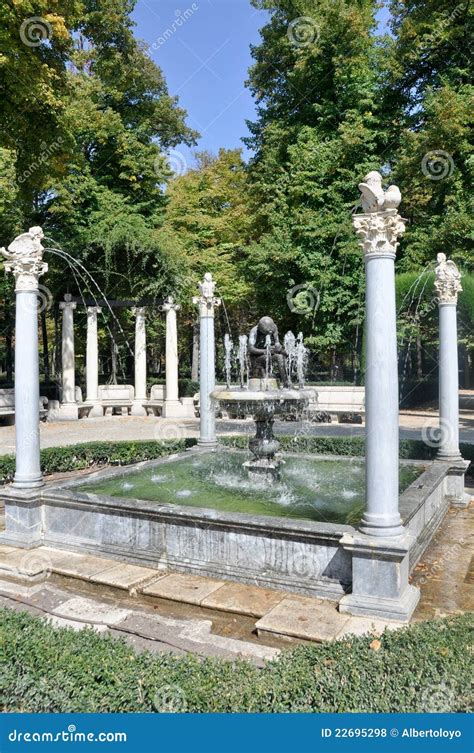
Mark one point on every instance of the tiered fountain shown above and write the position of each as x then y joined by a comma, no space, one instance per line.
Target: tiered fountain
261,394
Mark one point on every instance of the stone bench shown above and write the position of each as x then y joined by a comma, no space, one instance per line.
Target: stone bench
116,397
7,405
340,402
154,404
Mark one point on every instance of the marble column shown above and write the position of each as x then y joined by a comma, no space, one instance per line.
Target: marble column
24,259
207,303
448,286
92,362
68,409
138,407
172,407
380,550
378,232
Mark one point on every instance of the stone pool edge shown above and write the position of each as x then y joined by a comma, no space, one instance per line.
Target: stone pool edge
305,557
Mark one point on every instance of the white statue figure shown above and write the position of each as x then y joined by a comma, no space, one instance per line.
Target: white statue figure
26,244
448,280
374,198
207,286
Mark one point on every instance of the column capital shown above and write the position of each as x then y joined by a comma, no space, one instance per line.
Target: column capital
447,281
206,300
379,226
24,258
68,303
94,310
139,311
169,304
378,233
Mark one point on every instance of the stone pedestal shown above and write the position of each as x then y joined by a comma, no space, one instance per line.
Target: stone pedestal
172,406
448,286
68,410
92,362
24,258
206,303
380,570
138,407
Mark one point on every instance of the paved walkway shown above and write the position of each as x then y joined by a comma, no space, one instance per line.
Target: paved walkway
114,428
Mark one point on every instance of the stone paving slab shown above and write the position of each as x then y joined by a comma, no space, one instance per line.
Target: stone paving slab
362,626
243,599
75,565
25,563
125,576
5,549
191,589
301,619
84,609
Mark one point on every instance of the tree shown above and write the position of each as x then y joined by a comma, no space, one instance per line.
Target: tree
317,134
209,222
428,100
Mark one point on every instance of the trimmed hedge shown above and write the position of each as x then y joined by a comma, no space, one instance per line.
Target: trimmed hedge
79,456
410,449
424,667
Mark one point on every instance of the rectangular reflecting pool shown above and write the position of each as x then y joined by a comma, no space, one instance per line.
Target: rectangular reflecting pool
323,490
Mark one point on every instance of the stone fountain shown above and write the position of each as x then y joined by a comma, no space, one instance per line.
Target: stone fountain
265,396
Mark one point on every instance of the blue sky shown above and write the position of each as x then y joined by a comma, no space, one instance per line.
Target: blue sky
203,49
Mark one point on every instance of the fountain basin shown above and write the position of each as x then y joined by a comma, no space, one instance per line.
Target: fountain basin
306,556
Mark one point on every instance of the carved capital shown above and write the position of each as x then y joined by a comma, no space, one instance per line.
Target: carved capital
27,272
447,281
139,311
68,303
24,258
170,305
378,232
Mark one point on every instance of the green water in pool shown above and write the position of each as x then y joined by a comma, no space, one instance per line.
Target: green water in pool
311,489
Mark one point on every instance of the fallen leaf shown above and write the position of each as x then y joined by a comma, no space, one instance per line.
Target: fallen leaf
375,645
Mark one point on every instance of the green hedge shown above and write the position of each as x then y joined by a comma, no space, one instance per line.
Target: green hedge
424,667
79,456
350,446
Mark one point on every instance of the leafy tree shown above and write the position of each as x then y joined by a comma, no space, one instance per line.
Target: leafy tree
428,100
209,222
317,134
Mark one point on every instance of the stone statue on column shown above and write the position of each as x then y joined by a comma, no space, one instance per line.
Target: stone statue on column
447,280
24,259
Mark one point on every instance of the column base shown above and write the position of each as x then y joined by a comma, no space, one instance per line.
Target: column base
381,526
449,457
454,482
380,570
138,408
400,609
25,483
207,444
178,408
67,412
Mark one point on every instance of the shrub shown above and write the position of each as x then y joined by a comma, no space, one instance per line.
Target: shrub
77,457
410,449
424,667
